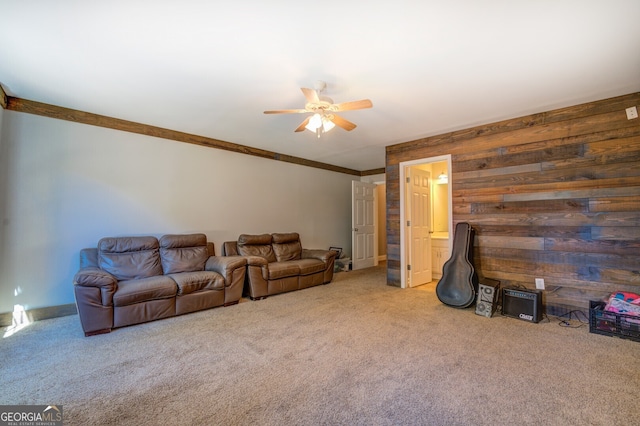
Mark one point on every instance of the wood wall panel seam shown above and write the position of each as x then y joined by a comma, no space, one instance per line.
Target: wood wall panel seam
578,193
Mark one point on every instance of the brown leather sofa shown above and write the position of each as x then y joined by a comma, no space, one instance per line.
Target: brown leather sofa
130,280
277,263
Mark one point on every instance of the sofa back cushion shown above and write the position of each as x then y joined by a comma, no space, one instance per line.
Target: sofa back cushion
256,245
128,258
287,246
183,253
230,248
88,258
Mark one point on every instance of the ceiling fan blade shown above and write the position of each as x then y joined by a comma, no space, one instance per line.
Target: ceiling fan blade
341,122
287,111
349,106
303,124
311,95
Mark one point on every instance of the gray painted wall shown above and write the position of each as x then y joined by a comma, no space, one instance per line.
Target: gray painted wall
66,185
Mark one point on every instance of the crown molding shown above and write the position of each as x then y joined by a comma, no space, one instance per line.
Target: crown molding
3,98
76,116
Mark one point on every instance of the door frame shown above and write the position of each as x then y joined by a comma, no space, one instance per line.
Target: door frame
403,207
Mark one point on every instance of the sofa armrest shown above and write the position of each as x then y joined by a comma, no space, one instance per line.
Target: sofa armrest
225,265
256,261
328,257
324,255
94,289
233,270
99,279
95,277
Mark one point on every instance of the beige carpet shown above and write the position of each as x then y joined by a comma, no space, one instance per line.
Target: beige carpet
354,352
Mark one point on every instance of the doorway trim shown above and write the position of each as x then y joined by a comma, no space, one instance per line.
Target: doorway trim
403,208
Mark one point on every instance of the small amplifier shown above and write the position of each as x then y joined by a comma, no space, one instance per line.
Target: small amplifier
523,304
487,301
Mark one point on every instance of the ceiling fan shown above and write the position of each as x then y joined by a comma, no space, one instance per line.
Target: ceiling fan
323,110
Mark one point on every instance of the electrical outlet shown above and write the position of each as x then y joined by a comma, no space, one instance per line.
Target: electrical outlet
540,283
632,112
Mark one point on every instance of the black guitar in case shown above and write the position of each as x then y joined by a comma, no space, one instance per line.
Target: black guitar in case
459,283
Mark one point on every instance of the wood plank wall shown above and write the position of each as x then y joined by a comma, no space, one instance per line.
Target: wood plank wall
554,195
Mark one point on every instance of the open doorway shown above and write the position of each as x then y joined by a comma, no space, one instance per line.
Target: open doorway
380,214
425,236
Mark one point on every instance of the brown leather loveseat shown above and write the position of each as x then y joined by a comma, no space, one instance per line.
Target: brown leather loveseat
130,280
277,263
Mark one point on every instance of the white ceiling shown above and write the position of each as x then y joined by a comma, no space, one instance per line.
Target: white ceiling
212,67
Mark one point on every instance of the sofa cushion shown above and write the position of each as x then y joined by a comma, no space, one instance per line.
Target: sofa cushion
279,270
144,289
287,246
128,258
183,253
256,245
310,266
190,282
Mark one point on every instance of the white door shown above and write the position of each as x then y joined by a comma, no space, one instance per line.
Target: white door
419,227
363,240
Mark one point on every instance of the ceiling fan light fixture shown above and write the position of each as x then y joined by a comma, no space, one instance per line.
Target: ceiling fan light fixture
327,124
314,123
323,109
319,124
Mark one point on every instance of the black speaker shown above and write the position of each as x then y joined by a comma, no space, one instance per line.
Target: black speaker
523,304
487,300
